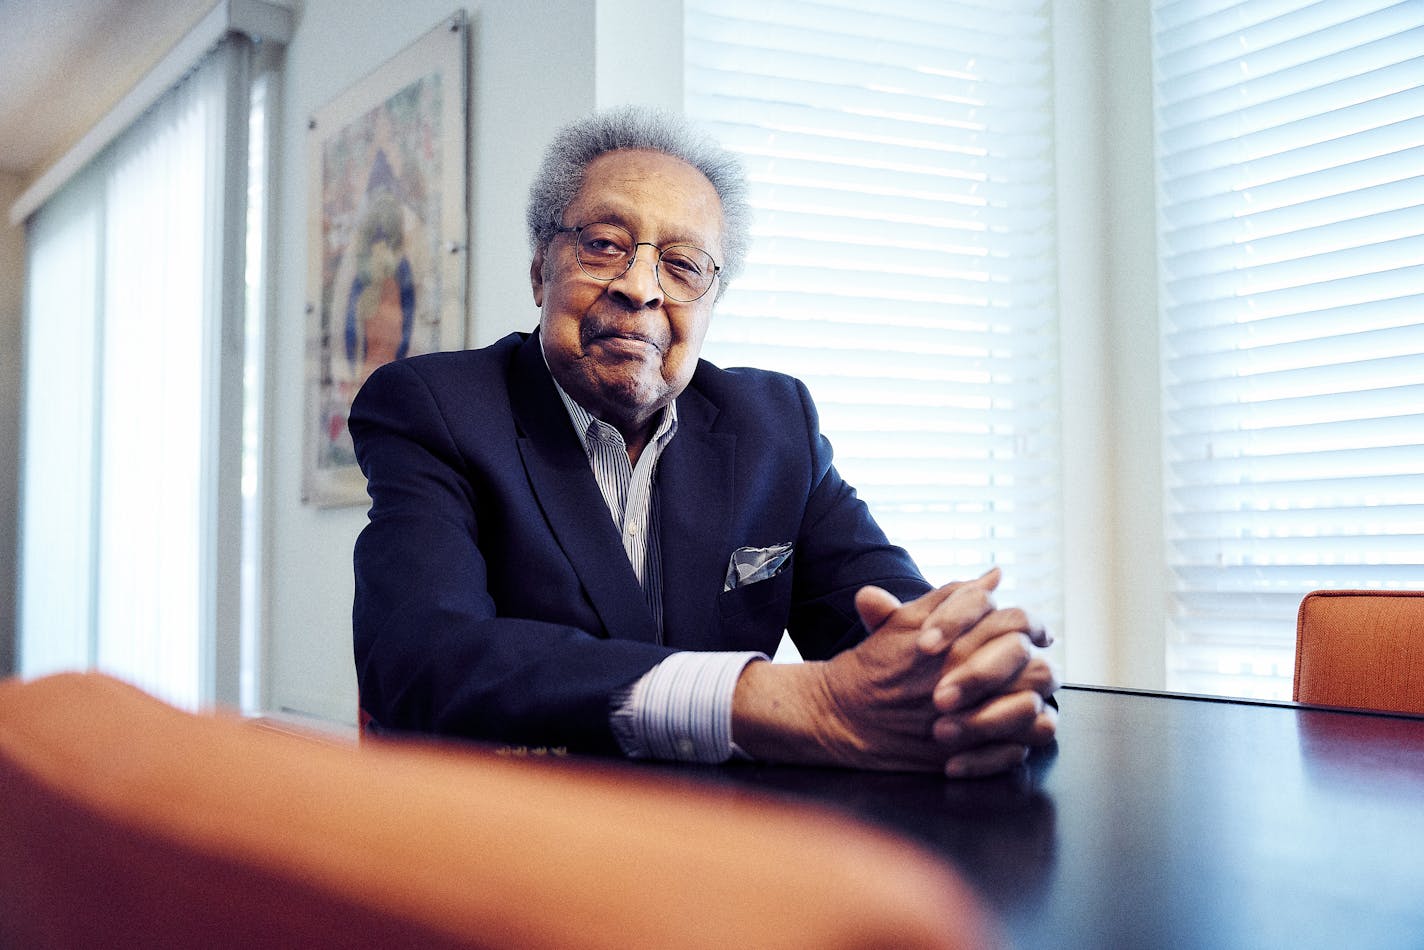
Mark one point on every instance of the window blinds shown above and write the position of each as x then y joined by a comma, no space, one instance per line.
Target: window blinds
1291,144
902,265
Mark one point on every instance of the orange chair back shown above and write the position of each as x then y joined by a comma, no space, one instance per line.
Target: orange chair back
126,823
1362,649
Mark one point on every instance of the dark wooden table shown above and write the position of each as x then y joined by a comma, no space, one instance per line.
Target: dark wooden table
1169,821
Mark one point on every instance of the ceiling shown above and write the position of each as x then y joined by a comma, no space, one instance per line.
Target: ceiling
65,63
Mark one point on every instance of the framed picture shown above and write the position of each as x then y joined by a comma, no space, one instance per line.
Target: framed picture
387,247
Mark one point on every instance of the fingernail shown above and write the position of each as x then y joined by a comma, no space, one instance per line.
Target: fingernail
946,697
955,768
947,730
931,640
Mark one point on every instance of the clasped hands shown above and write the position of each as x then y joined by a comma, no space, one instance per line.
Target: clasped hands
946,682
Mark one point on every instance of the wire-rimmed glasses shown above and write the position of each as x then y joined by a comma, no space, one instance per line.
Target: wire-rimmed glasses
606,252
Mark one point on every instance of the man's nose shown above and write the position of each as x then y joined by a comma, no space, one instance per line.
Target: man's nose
638,287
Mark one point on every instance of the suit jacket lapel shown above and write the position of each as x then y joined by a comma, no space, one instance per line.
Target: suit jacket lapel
696,495
563,483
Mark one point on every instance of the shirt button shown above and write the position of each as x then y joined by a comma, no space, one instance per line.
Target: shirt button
685,748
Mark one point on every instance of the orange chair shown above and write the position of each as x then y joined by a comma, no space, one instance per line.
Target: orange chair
127,823
1362,649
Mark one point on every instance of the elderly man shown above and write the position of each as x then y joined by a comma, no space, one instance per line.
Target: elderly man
585,537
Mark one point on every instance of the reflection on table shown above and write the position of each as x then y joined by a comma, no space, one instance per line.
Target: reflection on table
1171,821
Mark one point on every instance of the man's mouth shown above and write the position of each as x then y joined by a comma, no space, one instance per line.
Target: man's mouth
622,339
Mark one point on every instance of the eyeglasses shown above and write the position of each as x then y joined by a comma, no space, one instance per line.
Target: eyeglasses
606,252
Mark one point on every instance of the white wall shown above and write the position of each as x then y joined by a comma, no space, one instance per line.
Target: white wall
12,273
1114,579
1089,538
1138,586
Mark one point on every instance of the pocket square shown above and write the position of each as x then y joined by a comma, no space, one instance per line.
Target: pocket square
749,565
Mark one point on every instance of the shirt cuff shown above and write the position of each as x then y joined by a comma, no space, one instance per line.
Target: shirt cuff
681,709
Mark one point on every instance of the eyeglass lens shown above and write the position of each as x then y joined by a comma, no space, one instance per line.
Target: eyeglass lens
606,251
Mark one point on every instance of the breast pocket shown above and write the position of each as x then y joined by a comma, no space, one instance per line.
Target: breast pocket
753,617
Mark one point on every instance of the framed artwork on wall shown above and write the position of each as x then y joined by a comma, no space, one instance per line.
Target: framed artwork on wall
387,247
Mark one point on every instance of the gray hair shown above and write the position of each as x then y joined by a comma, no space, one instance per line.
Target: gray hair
576,145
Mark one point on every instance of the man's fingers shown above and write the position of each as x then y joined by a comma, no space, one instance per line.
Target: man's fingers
1012,717
993,625
958,611
875,606
985,760
996,737
1036,631
987,671
922,607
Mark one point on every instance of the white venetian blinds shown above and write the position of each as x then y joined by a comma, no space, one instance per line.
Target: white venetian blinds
903,259
1291,149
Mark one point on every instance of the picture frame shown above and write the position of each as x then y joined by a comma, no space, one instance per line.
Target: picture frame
387,239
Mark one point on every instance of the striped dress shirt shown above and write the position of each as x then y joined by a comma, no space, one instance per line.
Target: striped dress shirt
681,709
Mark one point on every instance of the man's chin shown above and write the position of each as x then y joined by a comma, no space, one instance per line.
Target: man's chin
625,399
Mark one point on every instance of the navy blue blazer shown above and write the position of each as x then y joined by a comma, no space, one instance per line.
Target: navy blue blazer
493,595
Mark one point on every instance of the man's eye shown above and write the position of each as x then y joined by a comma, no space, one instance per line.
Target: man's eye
604,247
682,264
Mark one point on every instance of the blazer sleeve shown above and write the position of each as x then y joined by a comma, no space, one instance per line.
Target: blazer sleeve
432,653
839,549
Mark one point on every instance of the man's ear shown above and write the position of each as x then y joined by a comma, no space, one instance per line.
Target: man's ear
536,277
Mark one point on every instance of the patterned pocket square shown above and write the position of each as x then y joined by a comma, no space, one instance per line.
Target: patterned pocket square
749,565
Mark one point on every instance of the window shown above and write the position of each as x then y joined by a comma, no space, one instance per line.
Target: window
131,485
900,157
1291,213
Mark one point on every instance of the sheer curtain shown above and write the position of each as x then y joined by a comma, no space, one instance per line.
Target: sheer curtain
1291,146
900,155
124,363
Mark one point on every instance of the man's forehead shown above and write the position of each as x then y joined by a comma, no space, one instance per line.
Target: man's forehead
641,188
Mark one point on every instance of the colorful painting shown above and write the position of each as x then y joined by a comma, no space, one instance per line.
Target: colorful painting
387,261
